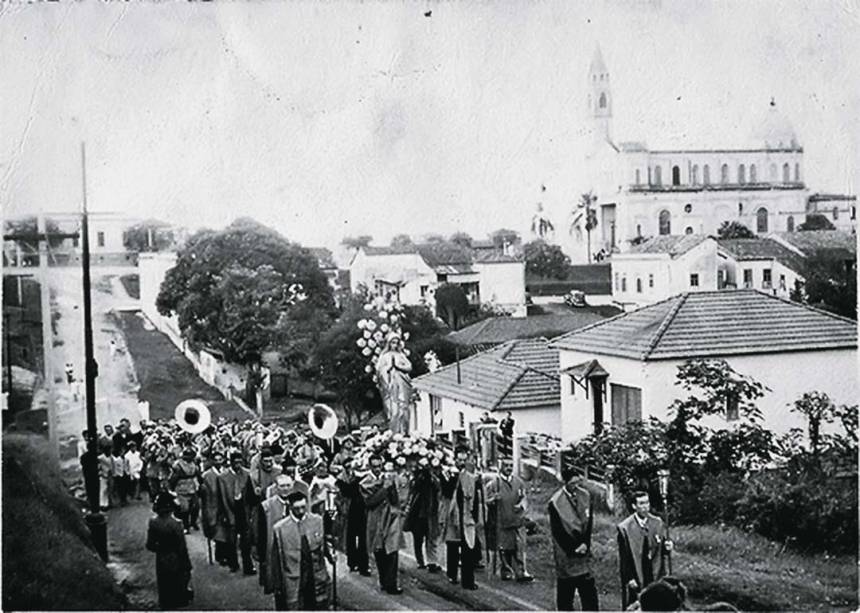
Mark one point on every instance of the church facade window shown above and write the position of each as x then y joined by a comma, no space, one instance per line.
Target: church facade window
786,173
797,172
665,222
742,174
773,173
706,175
789,223
695,178
753,177
658,175
688,208
724,173
676,175
602,102
688,230
761,220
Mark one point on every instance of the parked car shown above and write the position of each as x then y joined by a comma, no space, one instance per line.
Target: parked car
575,298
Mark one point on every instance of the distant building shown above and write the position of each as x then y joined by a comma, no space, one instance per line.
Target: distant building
624,369
645,191
664,266
412,273
839,209
520,376
593,280
759,263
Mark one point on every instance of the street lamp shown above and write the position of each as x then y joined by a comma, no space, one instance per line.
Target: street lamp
663,484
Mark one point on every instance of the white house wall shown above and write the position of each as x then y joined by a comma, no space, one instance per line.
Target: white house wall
734,274
788,375
503,284
545,419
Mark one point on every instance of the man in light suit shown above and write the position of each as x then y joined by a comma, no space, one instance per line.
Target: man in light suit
463,517
507,493
274,508
641,548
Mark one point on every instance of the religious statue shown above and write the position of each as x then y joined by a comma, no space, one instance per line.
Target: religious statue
395,386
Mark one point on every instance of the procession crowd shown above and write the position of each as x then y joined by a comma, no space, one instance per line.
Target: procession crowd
277,503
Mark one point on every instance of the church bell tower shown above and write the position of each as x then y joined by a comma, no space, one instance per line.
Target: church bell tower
599,97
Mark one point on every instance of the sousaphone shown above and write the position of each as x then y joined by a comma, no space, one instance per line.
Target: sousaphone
322,421
193,416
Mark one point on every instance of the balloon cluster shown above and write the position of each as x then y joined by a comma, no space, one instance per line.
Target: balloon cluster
383,317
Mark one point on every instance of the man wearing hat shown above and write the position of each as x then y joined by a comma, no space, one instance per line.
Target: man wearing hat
299,575
233,512
263,476
213,525
164,537
571,517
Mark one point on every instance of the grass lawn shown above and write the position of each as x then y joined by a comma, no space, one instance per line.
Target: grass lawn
715,563
48,561
131,283
166,377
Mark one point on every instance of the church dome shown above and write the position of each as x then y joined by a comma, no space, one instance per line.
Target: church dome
775,131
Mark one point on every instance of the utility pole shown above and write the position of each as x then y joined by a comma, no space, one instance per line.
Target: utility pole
47,334
96,521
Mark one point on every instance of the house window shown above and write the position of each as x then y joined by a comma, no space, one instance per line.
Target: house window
753,177
782,282
789,223
740,208
638,177
695,178
424,289
638,285
441,278
676,175
626,404
732,412
623,283
694,280
742,174
100,239
688,230
638,230
766,278
688,208
724,173
658,175
706,174
748,278
786,173
665,222
721,279
602,102
617,281
461,419
761,220
835,212
74,242
650,280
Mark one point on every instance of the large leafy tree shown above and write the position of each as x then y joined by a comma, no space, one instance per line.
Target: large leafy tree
462,239
452,304
830,283
401,240
546,260
245,290
734,229
354,242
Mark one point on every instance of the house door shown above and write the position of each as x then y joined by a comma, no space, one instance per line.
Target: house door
598,387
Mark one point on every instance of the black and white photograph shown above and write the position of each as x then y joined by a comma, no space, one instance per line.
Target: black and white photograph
430,305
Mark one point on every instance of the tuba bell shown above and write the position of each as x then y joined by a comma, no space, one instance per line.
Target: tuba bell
193,416
322,421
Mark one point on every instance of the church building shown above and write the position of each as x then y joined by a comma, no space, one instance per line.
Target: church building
642,192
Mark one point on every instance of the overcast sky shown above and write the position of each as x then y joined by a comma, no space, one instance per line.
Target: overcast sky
325,119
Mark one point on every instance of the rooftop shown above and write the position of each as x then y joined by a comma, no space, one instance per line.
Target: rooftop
497,330
714,324
519,374
761,249
813,241
672,245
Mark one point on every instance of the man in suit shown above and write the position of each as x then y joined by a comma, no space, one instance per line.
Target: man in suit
384,522
463,518
213,527
274,508
299,553
263,476
233,485
355,513
507,493
571,517
641,548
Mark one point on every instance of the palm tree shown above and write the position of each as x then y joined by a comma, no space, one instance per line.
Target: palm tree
582,211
